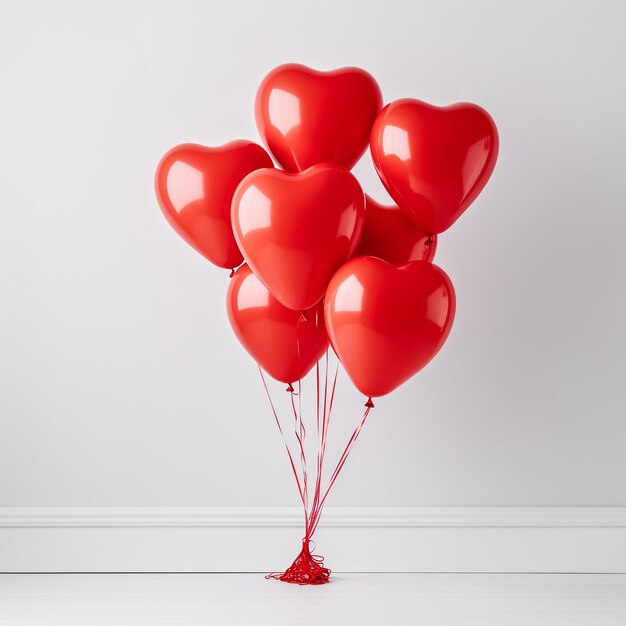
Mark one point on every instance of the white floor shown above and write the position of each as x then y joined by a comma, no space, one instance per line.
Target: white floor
381,599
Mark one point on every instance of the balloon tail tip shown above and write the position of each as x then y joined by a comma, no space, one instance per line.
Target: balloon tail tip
303,317
232,273
369,404
290,388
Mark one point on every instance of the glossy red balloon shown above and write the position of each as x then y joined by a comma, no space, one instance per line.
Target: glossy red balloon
390,235
194,187
283,342
308,117
386,322
434,161
295,230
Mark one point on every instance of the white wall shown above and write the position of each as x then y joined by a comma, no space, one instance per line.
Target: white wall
121,383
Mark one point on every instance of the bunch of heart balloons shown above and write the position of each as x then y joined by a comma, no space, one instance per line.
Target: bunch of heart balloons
318,261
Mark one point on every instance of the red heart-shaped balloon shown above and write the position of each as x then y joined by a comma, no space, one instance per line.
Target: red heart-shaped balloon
195,185
295,230
434,161
386,322
390,235
308,117
285,343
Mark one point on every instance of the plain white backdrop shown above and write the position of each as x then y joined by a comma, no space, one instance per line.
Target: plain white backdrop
121,383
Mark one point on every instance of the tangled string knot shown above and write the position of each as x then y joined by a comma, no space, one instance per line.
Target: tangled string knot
307,569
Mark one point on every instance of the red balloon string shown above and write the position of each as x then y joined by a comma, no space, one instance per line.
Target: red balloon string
323,438
308,568
280,429
300,434
317,395
315,515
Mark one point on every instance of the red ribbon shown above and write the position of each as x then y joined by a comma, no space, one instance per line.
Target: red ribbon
308,568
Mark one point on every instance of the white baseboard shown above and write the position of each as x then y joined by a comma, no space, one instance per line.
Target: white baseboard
505,539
